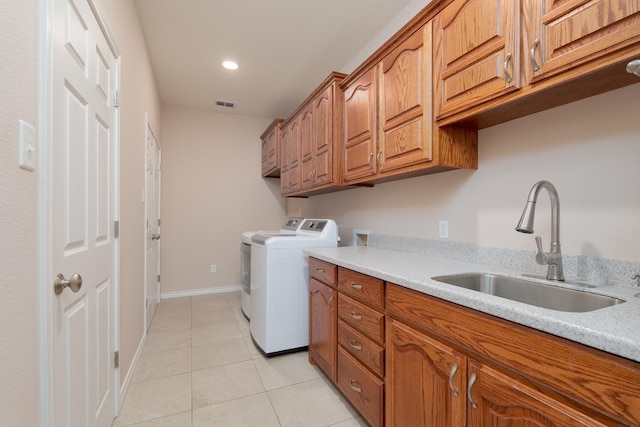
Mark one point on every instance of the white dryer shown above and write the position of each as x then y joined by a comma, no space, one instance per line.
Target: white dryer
280,285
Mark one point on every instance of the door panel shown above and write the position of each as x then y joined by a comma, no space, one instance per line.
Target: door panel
83,190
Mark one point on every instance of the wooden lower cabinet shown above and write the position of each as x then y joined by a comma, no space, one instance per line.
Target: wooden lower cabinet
425,380
419,361
498,400
323,339
364,390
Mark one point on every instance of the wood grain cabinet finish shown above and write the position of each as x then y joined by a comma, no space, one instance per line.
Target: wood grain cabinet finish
364,390
323,317
364,288
423,361
496,60
290,181
271,158
389,128
517,375
477,53
425,380
311,142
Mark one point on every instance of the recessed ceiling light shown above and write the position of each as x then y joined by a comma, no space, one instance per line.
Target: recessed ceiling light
230,65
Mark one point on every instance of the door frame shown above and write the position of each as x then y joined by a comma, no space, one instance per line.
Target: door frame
45,268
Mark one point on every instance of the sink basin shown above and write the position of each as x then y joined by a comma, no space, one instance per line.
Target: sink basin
530,292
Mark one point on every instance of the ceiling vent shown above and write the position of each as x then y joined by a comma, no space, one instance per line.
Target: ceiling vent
226,104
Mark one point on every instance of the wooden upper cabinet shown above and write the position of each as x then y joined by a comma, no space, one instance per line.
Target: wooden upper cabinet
314,132
271,150
290,169
359,127
389,131
570,32
477,55
404,104
497,60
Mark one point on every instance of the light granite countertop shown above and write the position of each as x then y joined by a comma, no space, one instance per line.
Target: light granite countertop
614,329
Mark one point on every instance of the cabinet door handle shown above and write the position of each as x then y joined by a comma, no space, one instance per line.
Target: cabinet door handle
472,381
378,158
356,388
507,76
534,63
354,345
354,285
330,304
454,369
355,316
369,161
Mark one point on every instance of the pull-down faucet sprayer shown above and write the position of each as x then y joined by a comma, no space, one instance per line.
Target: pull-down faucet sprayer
553,258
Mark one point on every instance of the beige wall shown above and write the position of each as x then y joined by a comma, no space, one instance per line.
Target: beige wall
139,95
588,149
212,191
19,291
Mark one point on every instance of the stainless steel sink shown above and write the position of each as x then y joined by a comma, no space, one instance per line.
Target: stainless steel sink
530,292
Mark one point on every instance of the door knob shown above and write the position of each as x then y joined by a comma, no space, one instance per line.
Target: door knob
75,283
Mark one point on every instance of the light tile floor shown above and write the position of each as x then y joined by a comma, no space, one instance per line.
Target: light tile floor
199,367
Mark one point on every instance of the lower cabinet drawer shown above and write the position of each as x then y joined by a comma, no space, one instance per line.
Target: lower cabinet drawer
362,348
361,317
362,388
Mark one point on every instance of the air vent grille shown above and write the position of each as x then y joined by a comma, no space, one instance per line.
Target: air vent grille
226,104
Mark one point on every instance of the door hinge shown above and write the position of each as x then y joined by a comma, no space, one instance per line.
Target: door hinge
116,359
158,278
116,229
158,222
116,99
146,303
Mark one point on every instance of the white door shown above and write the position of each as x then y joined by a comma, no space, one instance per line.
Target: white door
152,200
83,198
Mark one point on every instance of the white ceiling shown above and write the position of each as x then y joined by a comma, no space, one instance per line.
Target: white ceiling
284,48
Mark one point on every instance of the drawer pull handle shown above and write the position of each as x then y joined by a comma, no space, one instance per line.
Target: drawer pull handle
320,270
454,369
507,76
355,316
472,381
354,387
354,285
354,345
330,304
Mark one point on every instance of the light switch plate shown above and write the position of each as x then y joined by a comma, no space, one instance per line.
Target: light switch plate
27,146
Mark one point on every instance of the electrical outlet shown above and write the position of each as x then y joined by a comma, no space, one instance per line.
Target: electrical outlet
214,268
443,229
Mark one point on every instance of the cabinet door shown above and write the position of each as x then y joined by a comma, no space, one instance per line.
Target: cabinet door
425,380
323,132
285,142
323,327
360,127
404,104
294,156
571,32
499,401
477,58
307,165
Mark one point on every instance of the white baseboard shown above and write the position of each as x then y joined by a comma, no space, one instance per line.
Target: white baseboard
127,380
197,292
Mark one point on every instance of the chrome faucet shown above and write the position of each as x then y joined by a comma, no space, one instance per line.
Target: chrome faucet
553,258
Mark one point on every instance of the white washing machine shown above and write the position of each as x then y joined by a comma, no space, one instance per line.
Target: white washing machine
290,226
280,285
